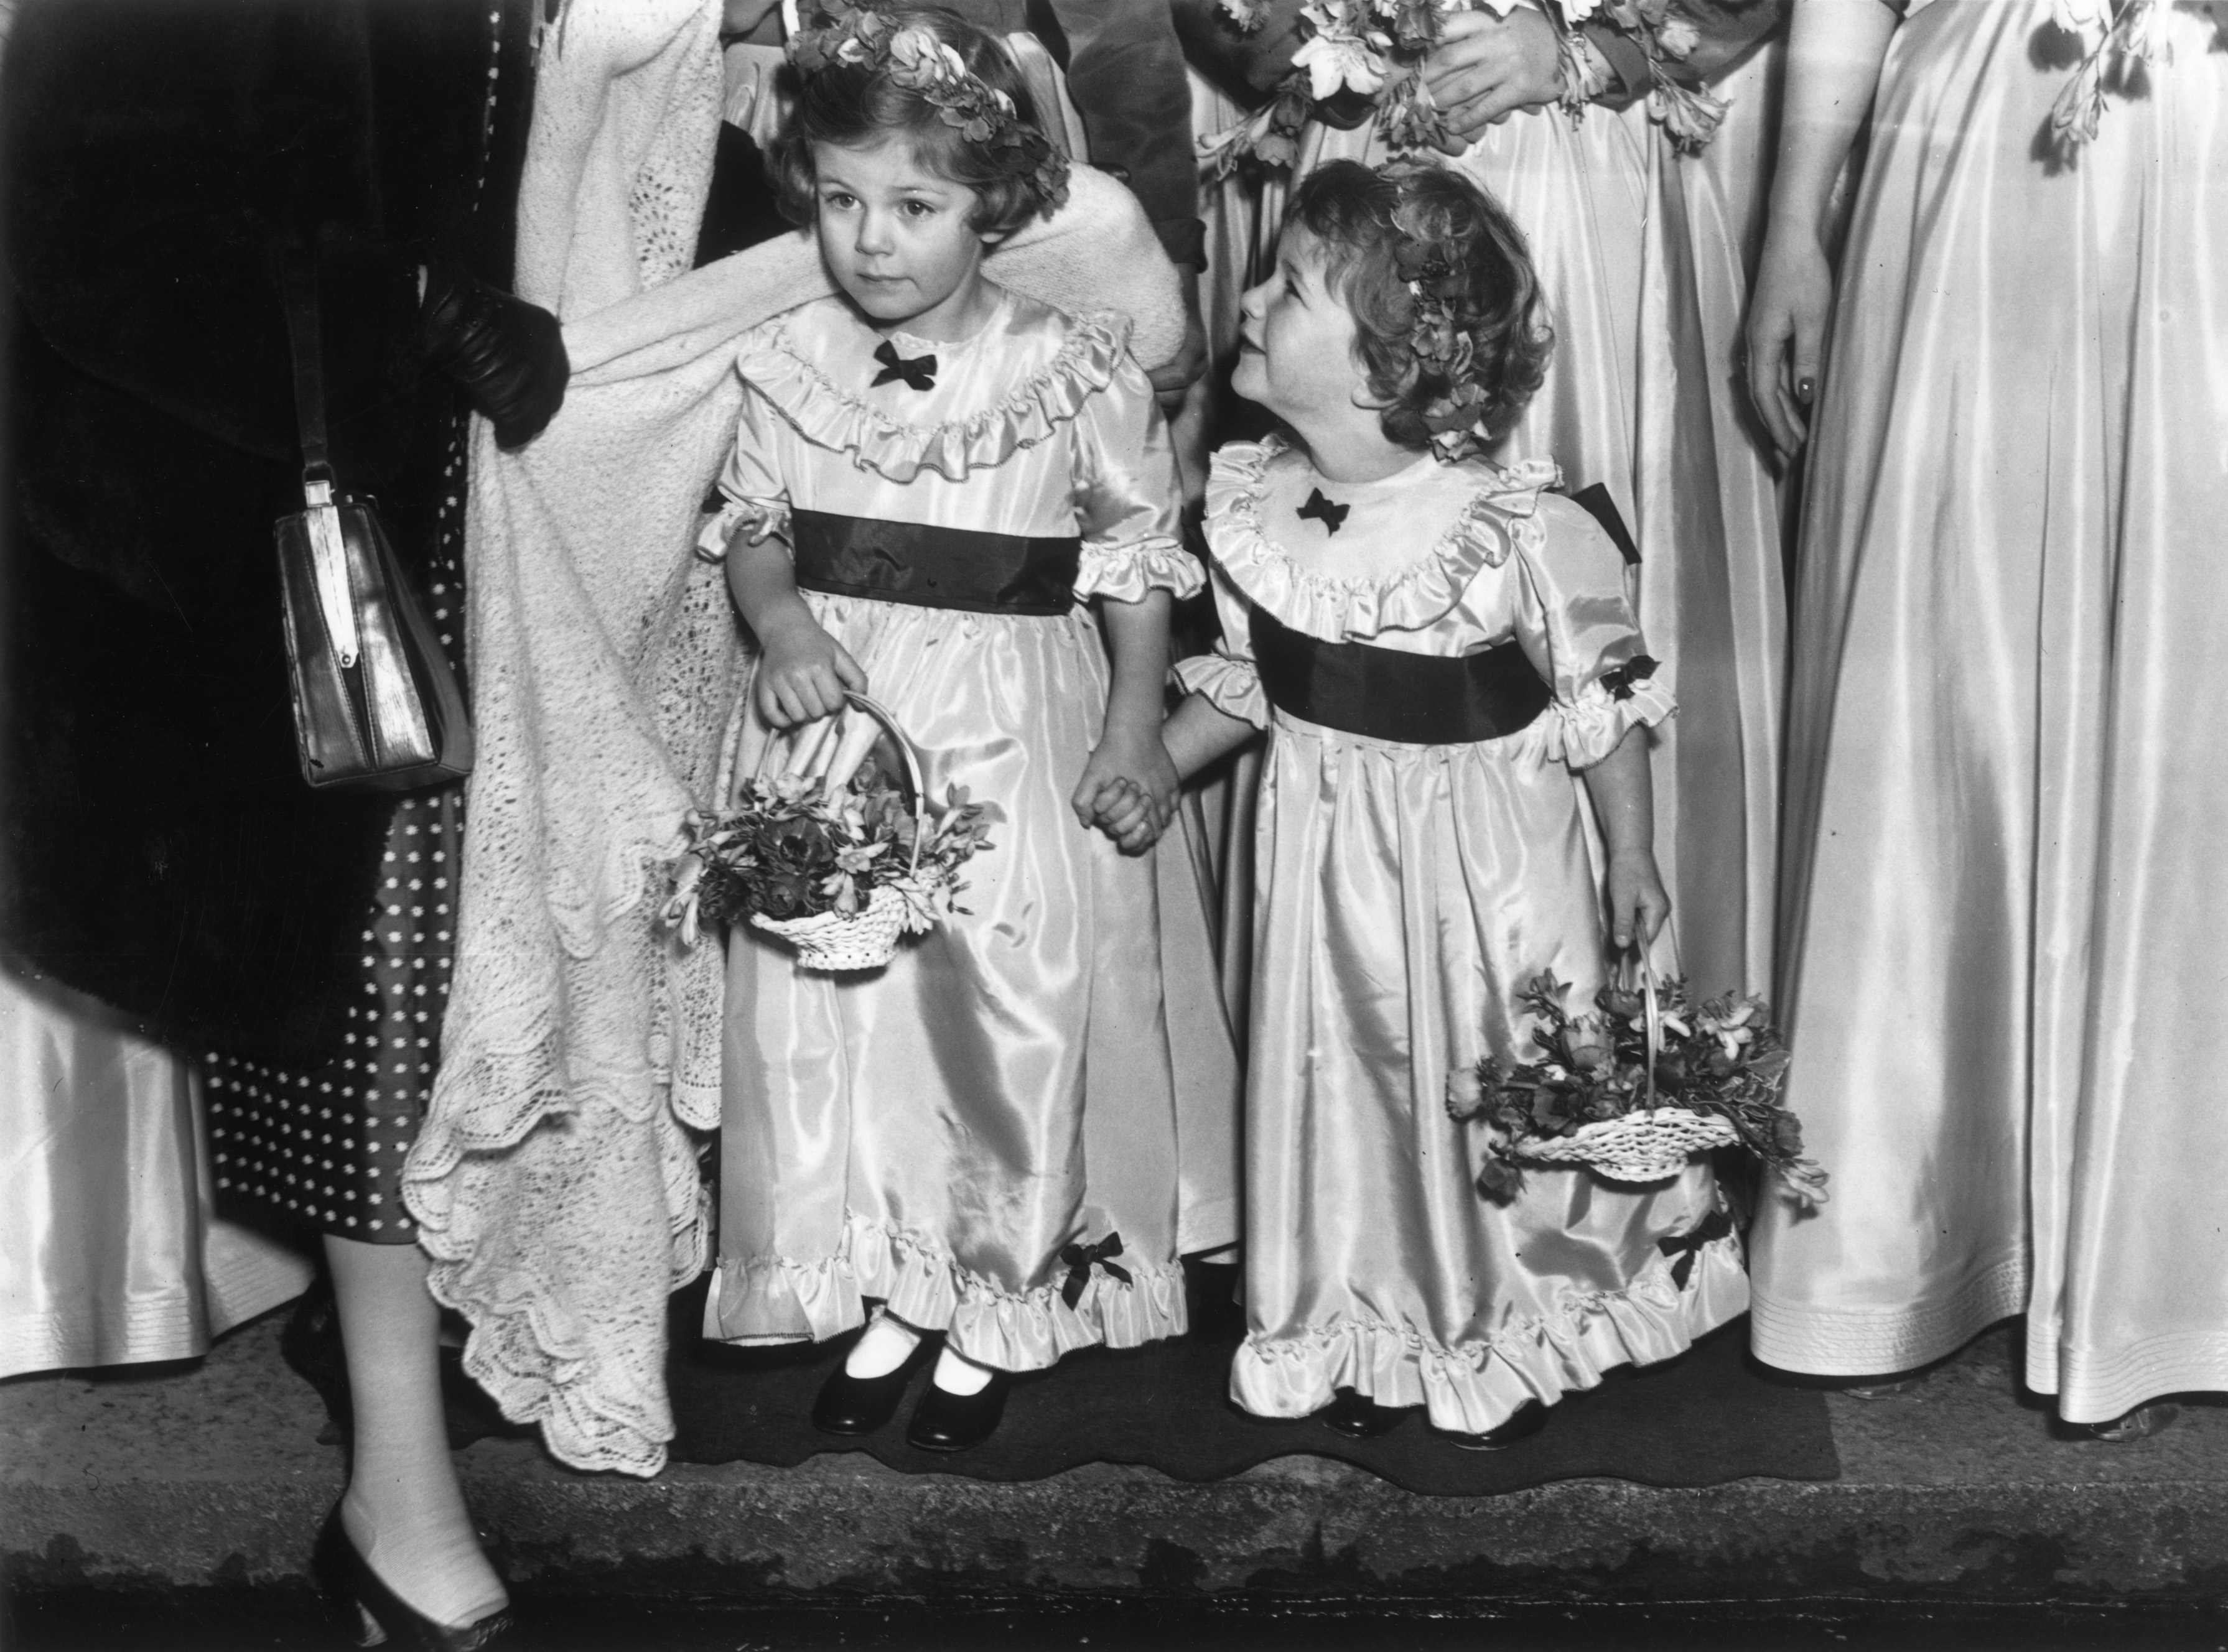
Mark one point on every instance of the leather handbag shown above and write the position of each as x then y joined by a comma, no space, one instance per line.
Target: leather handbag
376,702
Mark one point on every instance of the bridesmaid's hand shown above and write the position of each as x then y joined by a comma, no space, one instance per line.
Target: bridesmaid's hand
1786,336
1638,904
1126,815
1485,68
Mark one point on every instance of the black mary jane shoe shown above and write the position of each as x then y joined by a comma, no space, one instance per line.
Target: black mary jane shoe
362,1595
853,1405
1355,1416
1528,1420
945,1422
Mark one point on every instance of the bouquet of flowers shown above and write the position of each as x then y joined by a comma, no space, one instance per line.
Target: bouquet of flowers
838,867
1371,51
1592,1096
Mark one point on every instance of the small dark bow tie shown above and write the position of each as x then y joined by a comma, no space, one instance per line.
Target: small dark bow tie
1077,1258
919,372
1620,680
1689,1245
1332,517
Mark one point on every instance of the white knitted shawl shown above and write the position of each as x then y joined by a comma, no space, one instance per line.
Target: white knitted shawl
556,1180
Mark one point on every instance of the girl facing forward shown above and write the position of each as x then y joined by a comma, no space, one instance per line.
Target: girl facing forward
1440,650
933,480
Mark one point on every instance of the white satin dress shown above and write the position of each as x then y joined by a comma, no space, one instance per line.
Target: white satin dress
1642,265
1404,895
933,1134
2007,929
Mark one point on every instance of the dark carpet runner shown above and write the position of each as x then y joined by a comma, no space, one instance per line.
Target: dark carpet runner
1698,1420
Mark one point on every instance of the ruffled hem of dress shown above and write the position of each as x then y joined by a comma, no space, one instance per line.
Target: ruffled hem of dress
1500,518
778,1300
1129,573
824,412
1480,1385
1231,686
764,516
1587,729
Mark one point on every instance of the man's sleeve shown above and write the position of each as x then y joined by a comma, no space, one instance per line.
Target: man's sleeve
1125,72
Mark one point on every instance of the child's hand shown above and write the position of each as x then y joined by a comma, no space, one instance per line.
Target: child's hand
1125,813
1637,902
802,672
1134,755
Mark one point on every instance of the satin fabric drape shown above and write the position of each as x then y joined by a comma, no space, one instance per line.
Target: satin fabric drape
2006,906
109,1251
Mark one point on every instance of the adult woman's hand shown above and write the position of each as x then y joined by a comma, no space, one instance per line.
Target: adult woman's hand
508,355
1485,68
1786,335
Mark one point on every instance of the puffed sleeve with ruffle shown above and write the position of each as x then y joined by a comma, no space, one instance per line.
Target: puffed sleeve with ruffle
1227,678
1126,496
1577,626
754,498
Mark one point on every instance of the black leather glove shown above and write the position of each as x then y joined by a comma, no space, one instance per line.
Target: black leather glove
507,354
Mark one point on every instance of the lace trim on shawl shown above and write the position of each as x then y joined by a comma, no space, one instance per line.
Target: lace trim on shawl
778,1299
1231,686
1129,573
1499,519
825,412
1480,1385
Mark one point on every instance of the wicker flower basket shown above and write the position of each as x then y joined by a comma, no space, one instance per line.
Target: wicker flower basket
866,939
1648,1144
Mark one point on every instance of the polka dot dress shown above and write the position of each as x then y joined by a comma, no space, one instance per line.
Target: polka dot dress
325,1146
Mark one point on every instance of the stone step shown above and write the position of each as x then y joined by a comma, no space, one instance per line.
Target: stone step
211,1475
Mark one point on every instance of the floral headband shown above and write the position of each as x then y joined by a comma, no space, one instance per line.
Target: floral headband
857,35
1437,278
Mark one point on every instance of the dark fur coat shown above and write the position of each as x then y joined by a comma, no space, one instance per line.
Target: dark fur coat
160,849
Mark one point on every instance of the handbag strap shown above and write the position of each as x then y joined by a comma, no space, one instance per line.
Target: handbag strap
298,283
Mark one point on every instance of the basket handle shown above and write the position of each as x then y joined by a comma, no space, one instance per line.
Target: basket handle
1638,969
809,741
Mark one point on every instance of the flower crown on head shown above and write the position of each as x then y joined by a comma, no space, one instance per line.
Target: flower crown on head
1436,277
852,33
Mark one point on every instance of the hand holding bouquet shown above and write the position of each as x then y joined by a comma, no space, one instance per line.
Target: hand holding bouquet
1604,1092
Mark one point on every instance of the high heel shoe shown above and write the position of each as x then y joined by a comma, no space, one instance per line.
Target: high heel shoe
853,1406
355,1589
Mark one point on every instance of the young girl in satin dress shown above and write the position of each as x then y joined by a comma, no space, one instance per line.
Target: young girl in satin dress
1443,652
963,503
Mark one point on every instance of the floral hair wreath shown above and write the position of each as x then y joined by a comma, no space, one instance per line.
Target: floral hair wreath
1437,278
858,36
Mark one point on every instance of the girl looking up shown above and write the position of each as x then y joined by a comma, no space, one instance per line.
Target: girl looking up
935,484
1443,652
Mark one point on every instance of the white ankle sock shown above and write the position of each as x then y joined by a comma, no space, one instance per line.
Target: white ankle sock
886,1345
957,1374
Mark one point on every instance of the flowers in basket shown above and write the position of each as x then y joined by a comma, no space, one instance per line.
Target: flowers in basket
1359,54
1717,1074
840,870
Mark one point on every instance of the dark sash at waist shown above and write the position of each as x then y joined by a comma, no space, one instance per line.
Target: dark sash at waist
1384,694
934,567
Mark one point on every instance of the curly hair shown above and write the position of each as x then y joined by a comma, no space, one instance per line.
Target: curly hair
853,103
1363,216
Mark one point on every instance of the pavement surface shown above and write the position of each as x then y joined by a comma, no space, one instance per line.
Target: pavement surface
166,1506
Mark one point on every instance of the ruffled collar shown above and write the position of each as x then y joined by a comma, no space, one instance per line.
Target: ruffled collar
1497,516
976,417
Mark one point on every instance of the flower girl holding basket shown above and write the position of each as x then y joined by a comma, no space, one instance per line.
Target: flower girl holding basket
1444,654
963,503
